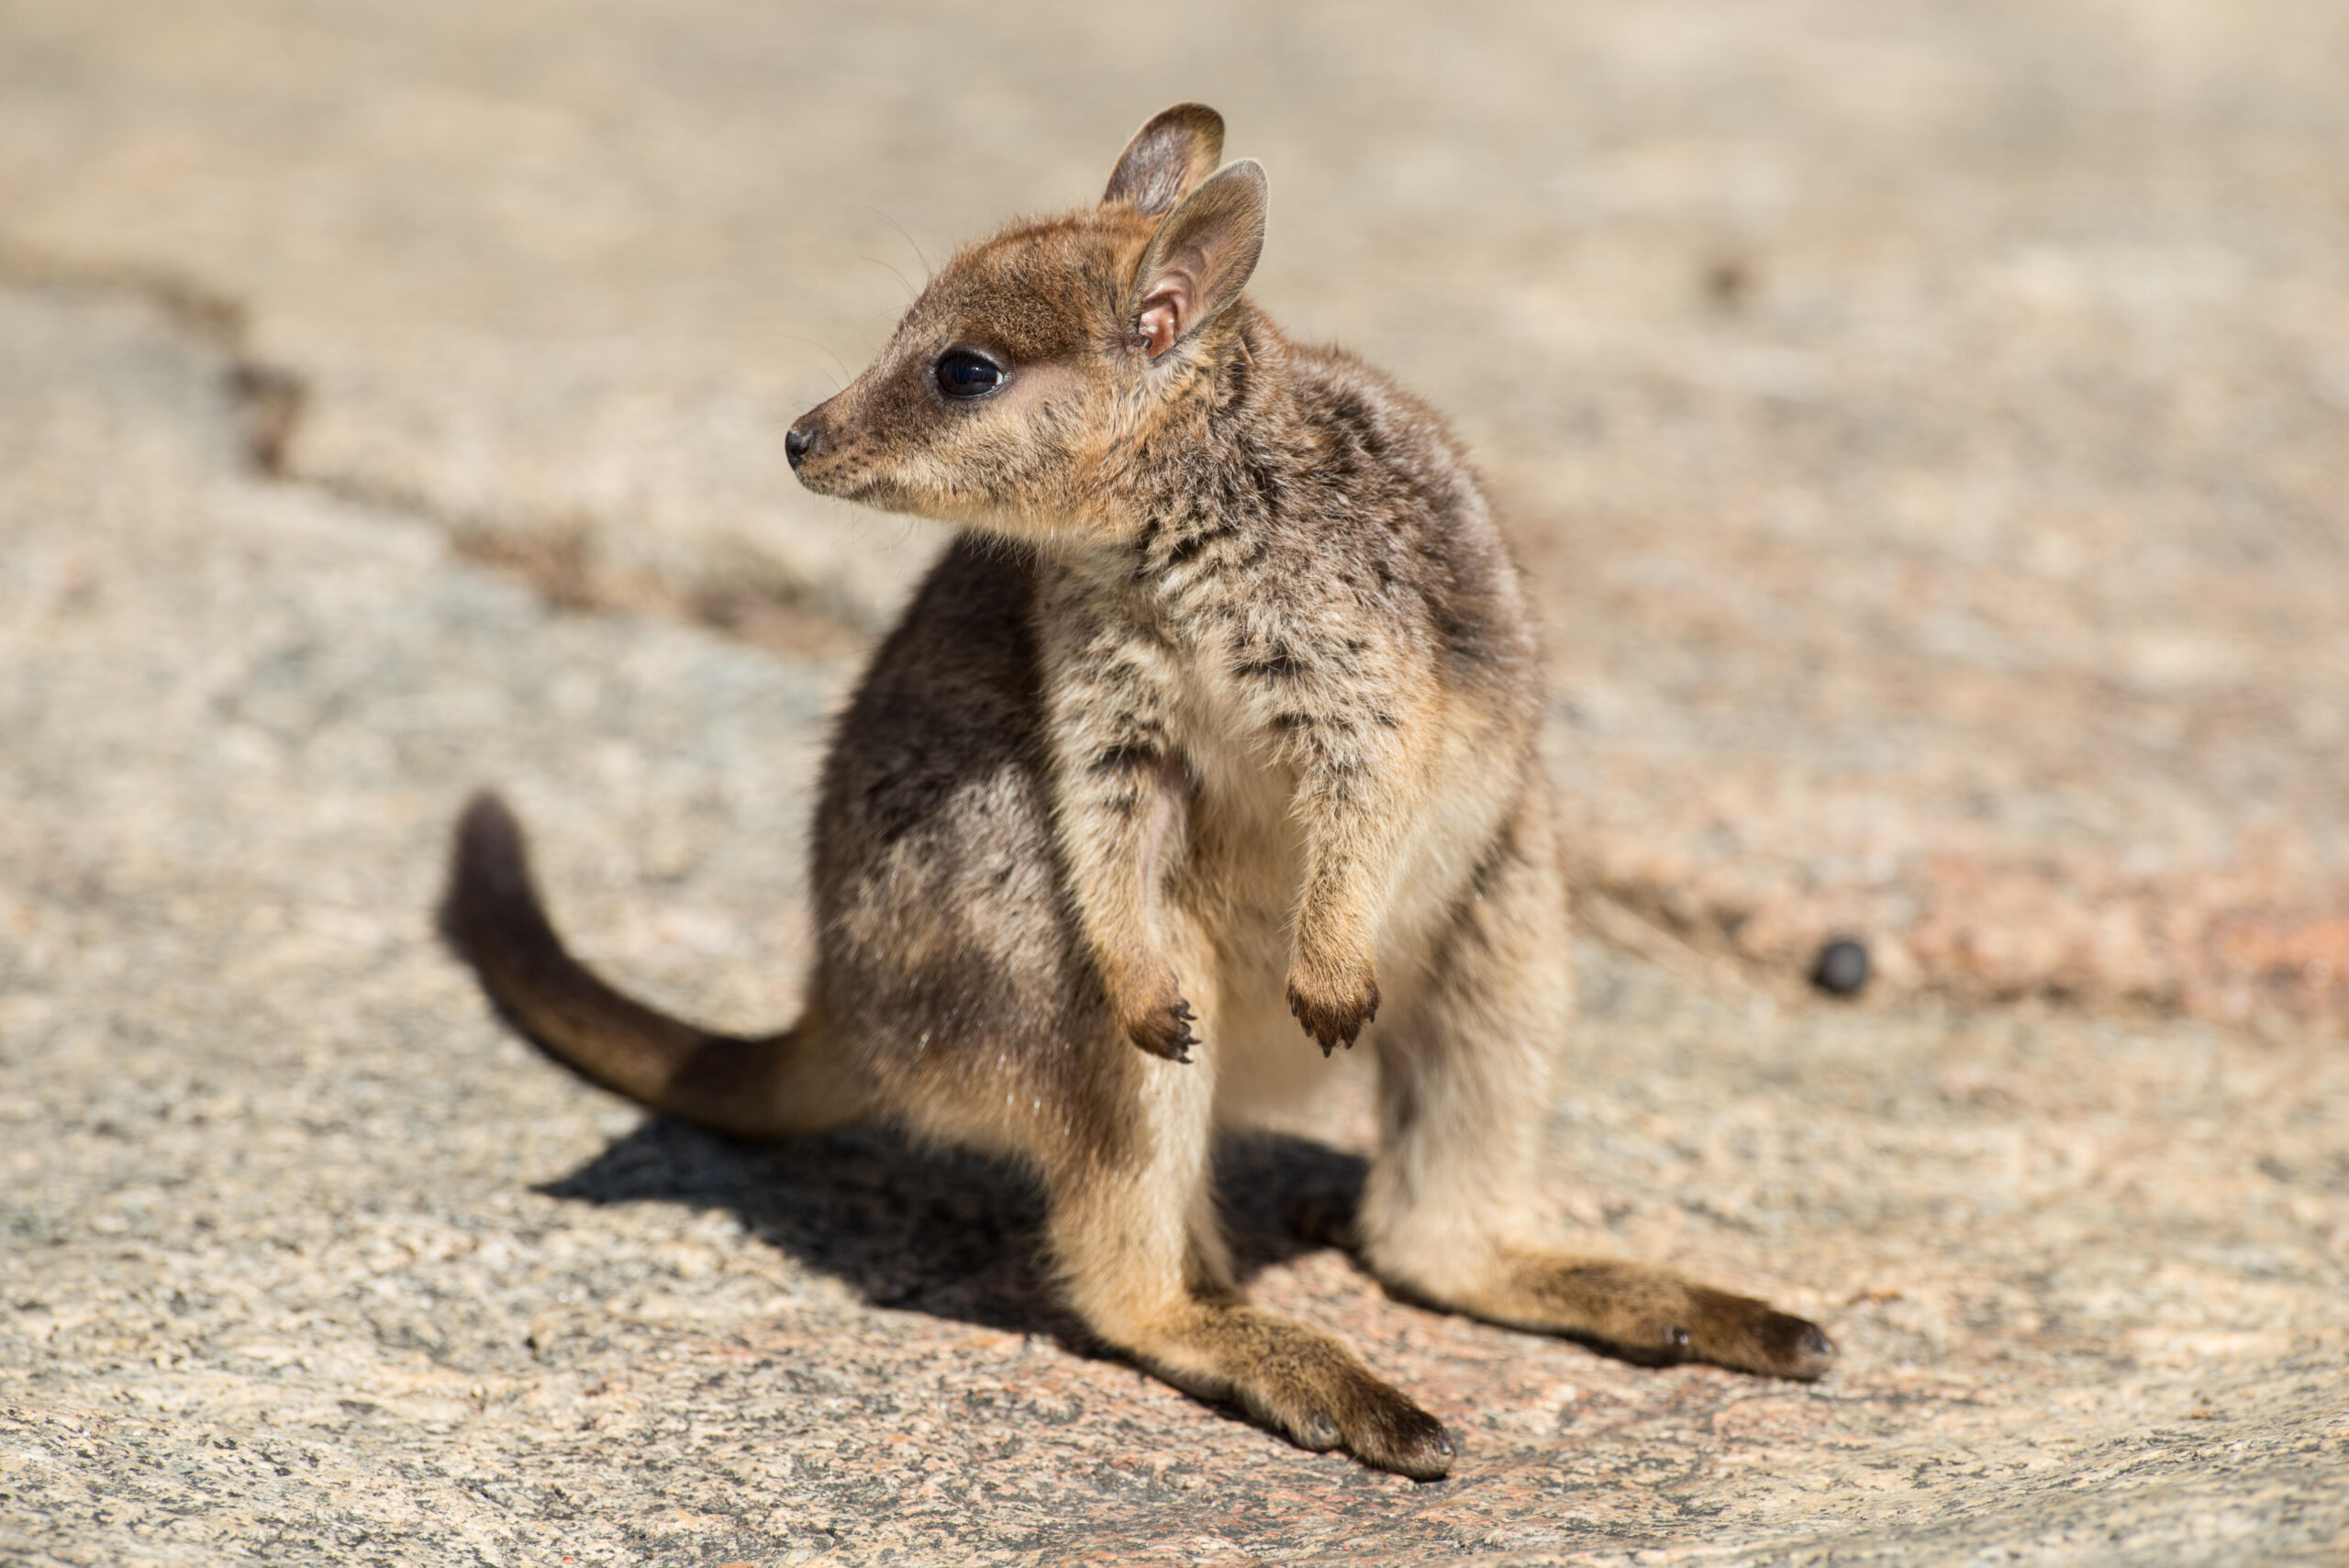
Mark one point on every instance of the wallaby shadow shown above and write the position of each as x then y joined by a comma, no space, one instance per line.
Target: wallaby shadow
951,1234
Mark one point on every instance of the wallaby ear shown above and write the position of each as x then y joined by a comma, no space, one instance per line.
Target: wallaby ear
1199,259
1174,153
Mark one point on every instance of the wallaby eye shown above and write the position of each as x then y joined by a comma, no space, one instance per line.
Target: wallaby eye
966,373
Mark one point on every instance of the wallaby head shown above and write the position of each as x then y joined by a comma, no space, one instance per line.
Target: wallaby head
1013,392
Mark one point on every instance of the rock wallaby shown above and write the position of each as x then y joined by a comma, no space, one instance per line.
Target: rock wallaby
1217,719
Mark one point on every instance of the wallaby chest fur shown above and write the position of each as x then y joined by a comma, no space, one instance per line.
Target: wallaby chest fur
1209,741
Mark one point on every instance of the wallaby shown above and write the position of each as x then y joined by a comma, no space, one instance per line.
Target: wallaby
1219,719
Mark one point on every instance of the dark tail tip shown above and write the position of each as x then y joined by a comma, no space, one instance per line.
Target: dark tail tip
489,876
492,919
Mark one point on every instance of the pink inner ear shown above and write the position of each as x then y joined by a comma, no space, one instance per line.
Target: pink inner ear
1161,320
1172,304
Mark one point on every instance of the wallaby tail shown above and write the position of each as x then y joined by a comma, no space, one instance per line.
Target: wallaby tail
769,1087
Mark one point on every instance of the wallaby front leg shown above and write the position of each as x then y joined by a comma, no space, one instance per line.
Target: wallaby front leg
1356,794
1118,788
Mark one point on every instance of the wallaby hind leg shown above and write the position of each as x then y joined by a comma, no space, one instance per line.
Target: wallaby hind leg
1465,1077
1141,1254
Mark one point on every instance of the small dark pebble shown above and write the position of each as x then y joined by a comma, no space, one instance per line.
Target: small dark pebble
1728,283
1842,969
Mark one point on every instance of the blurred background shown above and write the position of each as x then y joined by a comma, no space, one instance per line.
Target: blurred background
1927,423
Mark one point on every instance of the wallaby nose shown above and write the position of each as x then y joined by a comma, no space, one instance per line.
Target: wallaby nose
801,439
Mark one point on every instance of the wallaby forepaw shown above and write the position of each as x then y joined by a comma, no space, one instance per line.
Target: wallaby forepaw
1164,1029
1335,1015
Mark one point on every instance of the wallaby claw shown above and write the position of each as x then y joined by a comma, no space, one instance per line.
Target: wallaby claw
1334,1024
1166,1032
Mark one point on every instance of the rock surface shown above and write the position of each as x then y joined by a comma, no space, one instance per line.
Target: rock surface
304,1258
1927,423
1926,426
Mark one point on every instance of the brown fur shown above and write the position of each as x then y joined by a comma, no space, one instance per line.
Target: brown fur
1221,715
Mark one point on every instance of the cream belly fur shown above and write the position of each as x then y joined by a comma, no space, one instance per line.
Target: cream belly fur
1267,1075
